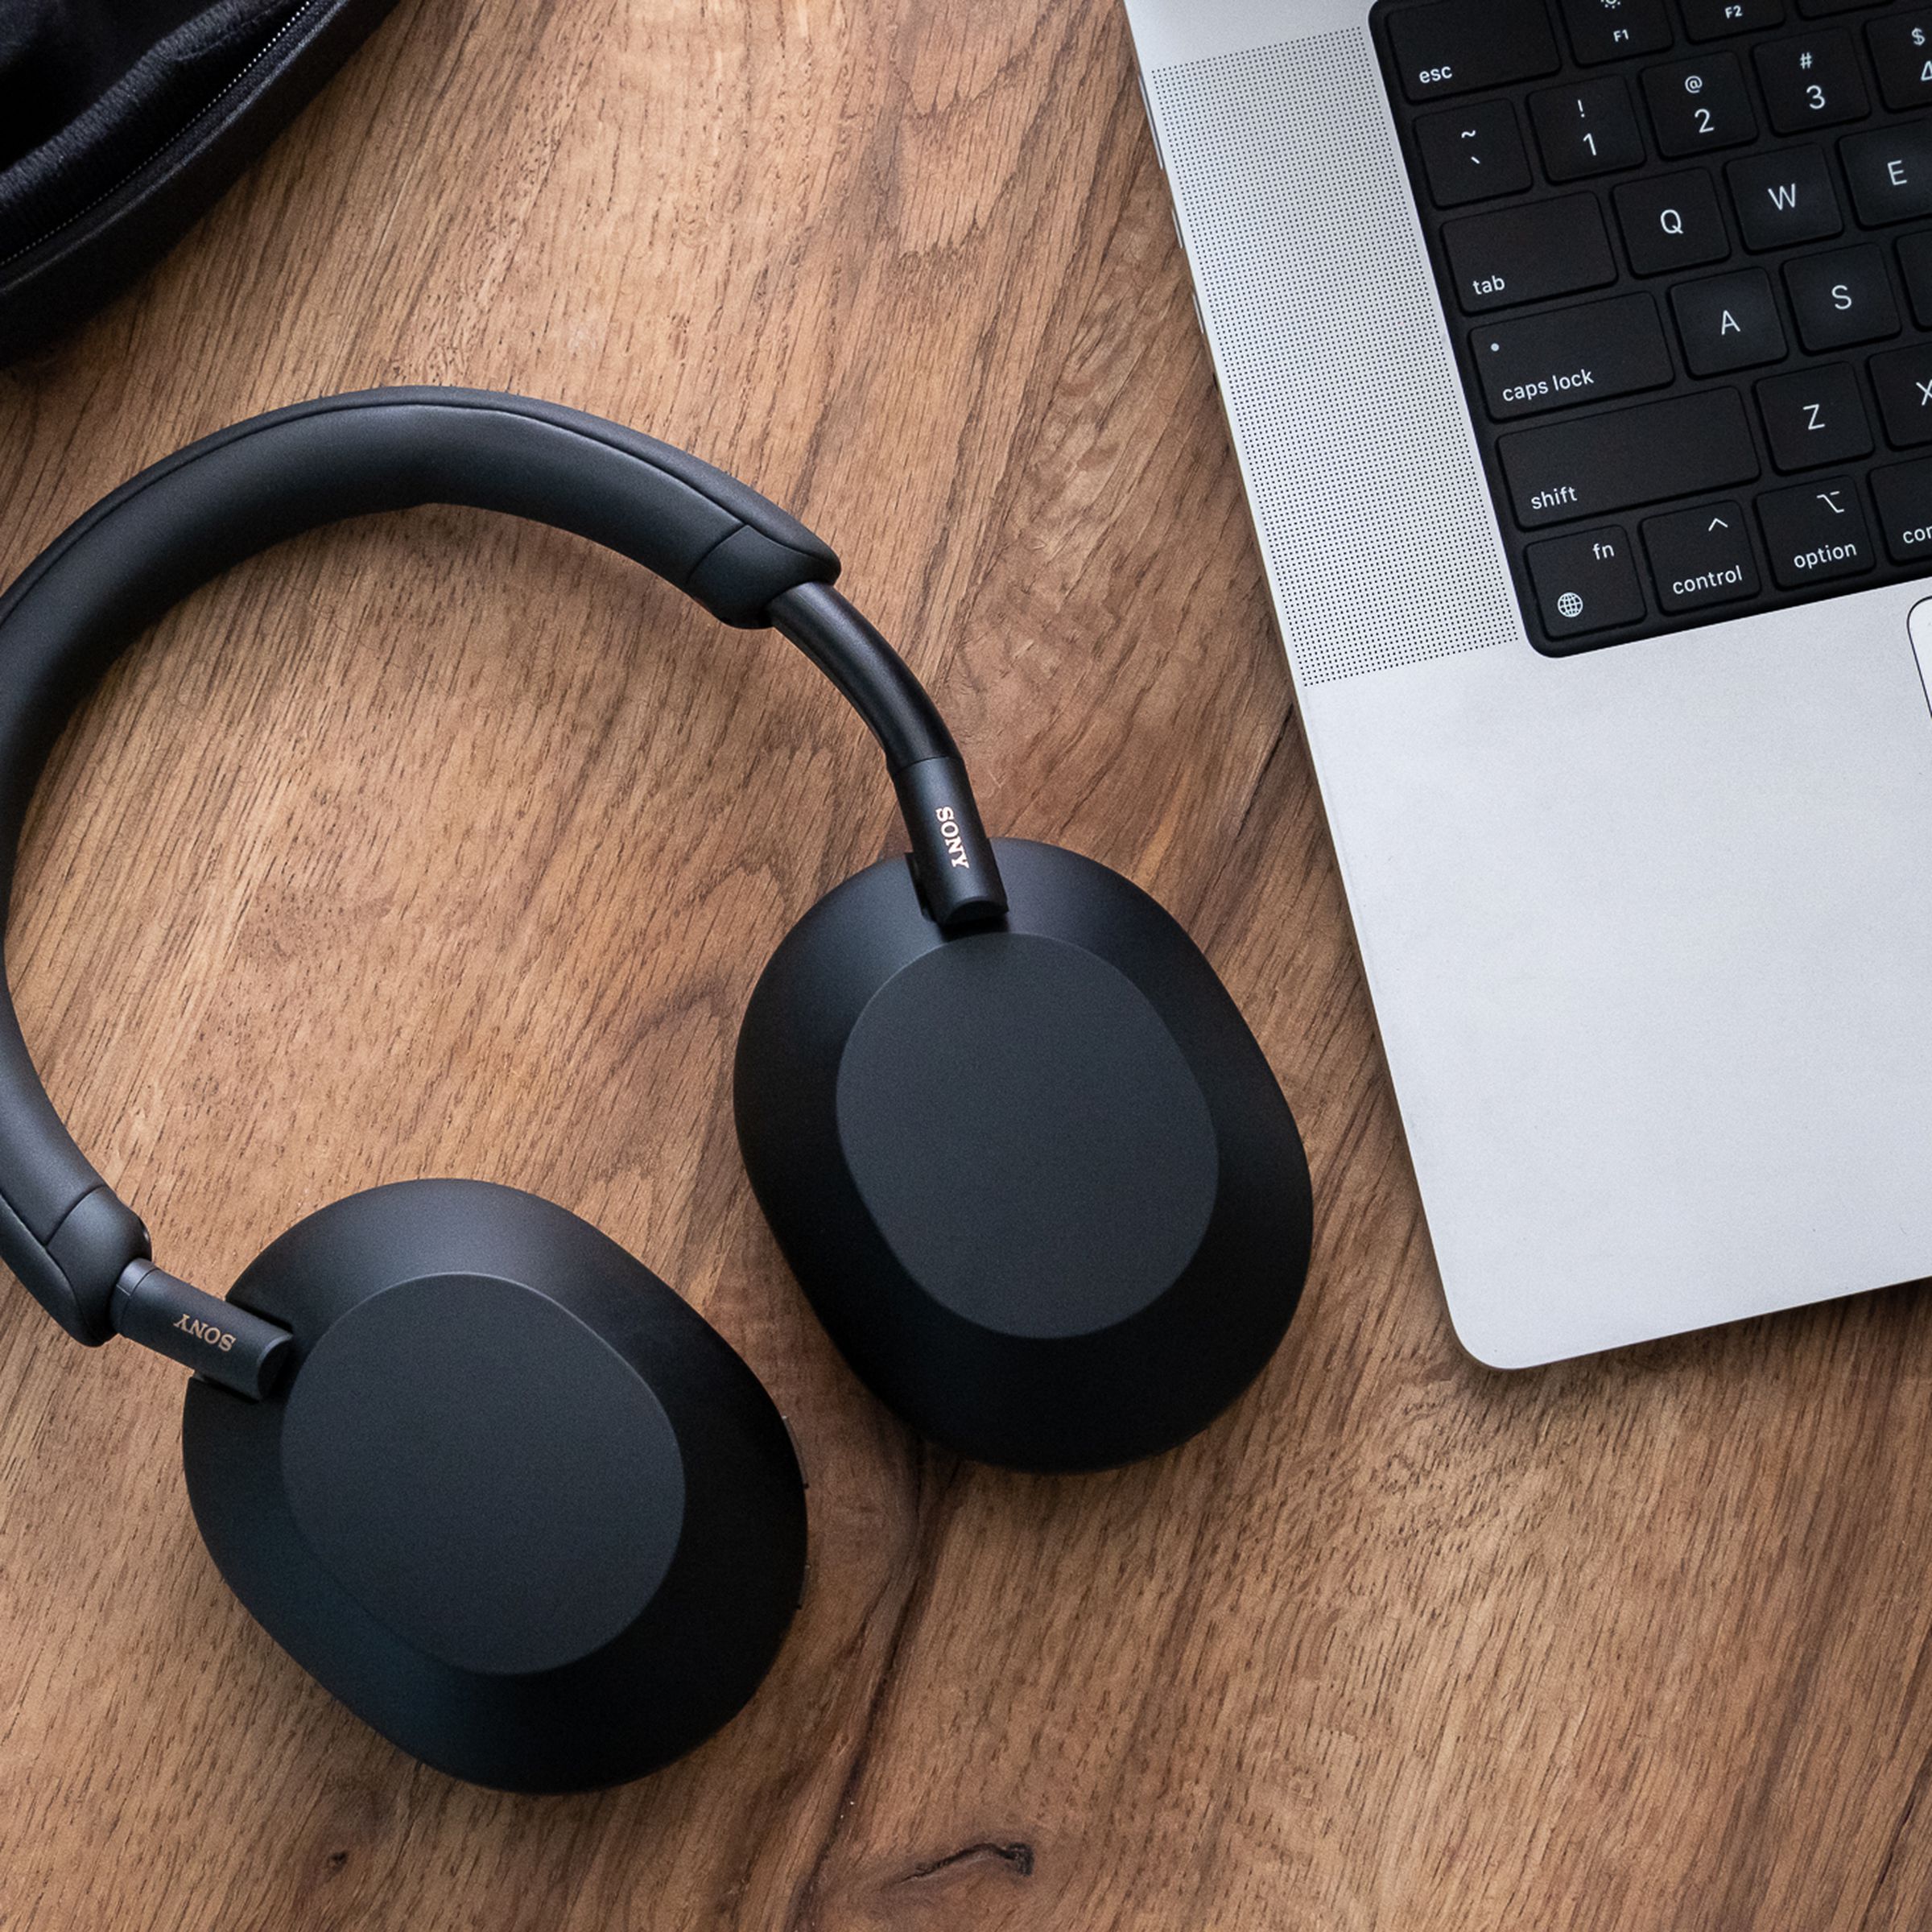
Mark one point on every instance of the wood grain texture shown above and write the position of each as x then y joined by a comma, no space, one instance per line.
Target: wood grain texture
442,845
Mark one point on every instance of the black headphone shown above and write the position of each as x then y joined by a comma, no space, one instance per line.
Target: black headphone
471,1464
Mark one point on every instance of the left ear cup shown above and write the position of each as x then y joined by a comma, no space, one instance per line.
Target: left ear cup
1037,1178
516,1504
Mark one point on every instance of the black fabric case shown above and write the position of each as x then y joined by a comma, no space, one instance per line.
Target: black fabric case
122,120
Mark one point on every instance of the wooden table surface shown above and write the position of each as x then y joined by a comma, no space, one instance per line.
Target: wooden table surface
439,845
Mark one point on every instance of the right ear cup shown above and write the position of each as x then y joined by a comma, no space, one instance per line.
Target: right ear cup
517,1505
1036,1177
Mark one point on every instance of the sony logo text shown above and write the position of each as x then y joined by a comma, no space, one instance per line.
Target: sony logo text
949,831
206,1331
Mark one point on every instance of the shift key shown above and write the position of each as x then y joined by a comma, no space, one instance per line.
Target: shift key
1593,466
1528,252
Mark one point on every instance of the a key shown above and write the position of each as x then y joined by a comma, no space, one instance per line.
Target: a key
1671,222
1697,105
1593,466
1585,582
1785,197
1901,50
1815,532
1822,10
1902,378
1589,129
1606,30
1567,355
1700,557
1915,260
1456,47
1729,322
1529,254
1813,417
1472,154
1714,19
1904,494
1842,299
1890,172
1812,82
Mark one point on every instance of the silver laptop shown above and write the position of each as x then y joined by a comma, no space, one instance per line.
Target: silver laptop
1578,355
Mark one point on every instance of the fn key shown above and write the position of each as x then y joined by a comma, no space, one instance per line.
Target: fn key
1586,583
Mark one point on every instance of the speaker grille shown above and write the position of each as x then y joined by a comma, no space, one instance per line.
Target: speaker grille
1374,517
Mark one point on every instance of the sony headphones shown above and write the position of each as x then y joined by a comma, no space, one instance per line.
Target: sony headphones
476,1468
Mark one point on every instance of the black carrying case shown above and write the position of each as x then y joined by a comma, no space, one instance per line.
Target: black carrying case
122,120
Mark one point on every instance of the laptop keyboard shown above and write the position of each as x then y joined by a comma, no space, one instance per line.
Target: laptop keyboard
1685,249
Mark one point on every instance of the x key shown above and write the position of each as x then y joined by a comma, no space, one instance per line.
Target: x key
1903,380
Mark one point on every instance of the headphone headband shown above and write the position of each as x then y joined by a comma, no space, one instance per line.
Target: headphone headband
178,524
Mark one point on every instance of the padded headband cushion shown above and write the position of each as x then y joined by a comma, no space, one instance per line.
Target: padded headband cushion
178,524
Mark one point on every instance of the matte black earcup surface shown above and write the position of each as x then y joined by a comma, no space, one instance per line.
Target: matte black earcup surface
517,1505
1038,1180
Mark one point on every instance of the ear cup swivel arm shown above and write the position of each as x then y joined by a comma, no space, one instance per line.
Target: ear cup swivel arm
138,551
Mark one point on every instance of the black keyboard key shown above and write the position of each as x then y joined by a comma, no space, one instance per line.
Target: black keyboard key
1698,105
1701,557
1903,381
1672,222
1915,259
1842,299
1714,19
1890,171
1589,129
1903,493
1473,153
1813,81
1585,582
1454,46
1607,30
1529,254
1821,9
1593,466
1901,50
1566,356
1785,197
1815,532
1813,417
1729,322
